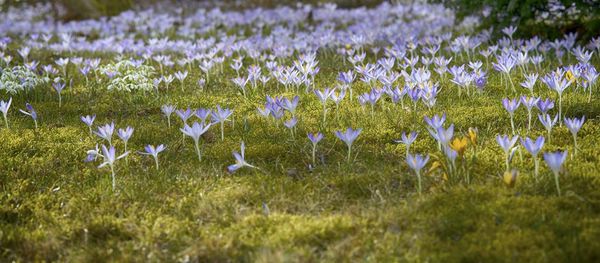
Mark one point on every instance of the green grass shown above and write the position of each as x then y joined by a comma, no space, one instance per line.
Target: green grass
55,207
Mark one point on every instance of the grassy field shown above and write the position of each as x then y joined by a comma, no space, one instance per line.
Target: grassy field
56,207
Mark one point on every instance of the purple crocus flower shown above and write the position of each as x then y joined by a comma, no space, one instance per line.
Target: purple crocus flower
574,124
323,96
511,105
507,144
545,105
30,112
348,137
443,136
89,121
195,131
4,107
555,160
558,83
436,121
203,114
58,87
184,115
240,160
168,110
534,148
408,140
153,151
125,135
417,162
290,105
106,132
529,103
291,123
548,122
109,155
314,139
220,116
181,76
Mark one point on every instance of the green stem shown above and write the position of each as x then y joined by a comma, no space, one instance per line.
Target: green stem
198,151
349,152
419,182
222,132
314,152
556,174
112,174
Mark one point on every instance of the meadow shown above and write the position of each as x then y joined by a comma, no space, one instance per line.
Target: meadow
304,134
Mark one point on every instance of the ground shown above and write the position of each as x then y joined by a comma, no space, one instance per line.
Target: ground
56,207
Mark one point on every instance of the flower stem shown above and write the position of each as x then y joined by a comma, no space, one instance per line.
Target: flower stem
557,183
198,151
419,182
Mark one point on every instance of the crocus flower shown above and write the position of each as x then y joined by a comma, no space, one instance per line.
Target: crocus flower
220,116
30,112
529,103
417,162
548,122
239,160
153,151
556,82
109,155
529,82
4,107
291,124
574,125
106,132
507,144
89,121
195,131
347,78
181,77
290,105
511,106
125,135
443,136
408,140
436,121
505,65
534,148
58,87
323,97
167,110
184,115
348,137
545,105
203,114
554,160
314,139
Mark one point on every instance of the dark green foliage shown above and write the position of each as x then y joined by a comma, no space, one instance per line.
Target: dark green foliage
525,14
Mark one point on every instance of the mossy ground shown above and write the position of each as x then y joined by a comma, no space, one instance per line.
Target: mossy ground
56,207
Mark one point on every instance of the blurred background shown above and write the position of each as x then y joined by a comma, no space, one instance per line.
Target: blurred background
544,18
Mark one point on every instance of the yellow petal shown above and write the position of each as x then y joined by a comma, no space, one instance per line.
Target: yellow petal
434,166
510,178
